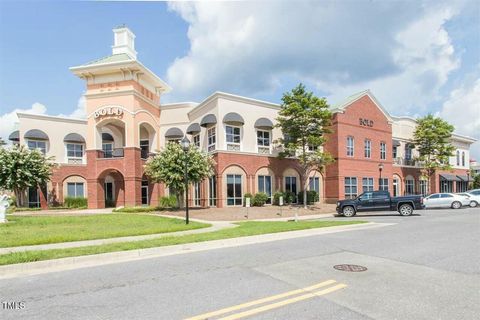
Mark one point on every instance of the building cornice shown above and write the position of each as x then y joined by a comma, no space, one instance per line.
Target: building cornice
233,97
51,118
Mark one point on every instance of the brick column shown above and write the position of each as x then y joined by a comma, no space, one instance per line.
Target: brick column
96,199
133,192
220,196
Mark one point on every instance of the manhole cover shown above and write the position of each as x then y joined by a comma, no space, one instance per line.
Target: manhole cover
350,267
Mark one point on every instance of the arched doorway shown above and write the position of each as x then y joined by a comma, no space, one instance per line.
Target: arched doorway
113,188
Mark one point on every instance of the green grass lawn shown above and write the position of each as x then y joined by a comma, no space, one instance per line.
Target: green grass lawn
245,229
22,231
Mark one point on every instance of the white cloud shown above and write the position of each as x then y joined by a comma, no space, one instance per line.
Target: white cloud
80,112
400,50
462,109
9,121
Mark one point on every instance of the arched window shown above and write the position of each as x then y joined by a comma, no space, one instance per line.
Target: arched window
458,158
463,158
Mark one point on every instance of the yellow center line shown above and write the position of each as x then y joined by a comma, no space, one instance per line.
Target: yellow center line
260,301
283,303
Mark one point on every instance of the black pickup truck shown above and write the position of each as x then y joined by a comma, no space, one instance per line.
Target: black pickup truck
379,201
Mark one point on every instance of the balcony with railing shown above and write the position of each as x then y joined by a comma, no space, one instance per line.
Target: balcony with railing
112,153
407,162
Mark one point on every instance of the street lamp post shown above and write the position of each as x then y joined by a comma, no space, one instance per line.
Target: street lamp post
380,168
185,143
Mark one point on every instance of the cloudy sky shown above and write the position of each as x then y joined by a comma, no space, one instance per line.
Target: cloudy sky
417,57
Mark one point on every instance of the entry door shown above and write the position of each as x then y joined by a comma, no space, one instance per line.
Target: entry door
108,187
144,192
395,188
33,197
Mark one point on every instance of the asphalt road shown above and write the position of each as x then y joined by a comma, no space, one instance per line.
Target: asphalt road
423,267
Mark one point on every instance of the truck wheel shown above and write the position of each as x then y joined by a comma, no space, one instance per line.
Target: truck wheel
456,205
405,210
473,204
348,211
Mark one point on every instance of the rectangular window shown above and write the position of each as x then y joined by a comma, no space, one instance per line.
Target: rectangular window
383,150
350,187
350,146
74,150
265,186
212,139
35,144
75,189
234,190
291,186
394,152
107,150
408,152
233,138
196,194
446,186
144,148
33,197
314,185
144,189
368,148
409,186
383,184
212,191
263,138
367,184
196,140
423,187
263,141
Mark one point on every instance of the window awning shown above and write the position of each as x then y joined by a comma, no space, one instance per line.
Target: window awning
74,137
14,136
449,177
174,133
209,119
233,118
396,143
263,123
36,134
107,137
465,178
194,128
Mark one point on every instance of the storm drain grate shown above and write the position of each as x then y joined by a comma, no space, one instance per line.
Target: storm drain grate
350,268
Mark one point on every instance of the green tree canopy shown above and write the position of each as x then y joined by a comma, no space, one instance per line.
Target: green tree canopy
304,120
168,166
432,141
21,168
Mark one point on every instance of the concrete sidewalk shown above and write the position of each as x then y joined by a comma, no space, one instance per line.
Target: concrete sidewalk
215,226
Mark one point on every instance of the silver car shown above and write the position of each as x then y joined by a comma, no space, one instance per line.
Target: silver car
474,197
446,200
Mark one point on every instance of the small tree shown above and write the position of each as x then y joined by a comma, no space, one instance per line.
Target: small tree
432,140
21,168
476,181
304,120
168,167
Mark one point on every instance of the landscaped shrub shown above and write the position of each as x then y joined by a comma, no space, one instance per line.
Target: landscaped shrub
312,197
276,197
135,209
259,199
75,202
289,197
168,202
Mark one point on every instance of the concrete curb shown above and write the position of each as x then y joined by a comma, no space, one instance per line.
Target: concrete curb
63,264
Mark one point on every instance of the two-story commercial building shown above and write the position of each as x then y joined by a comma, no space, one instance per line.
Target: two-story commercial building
102,157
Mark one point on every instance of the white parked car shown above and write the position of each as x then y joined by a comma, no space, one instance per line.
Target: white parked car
446,200
474,197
